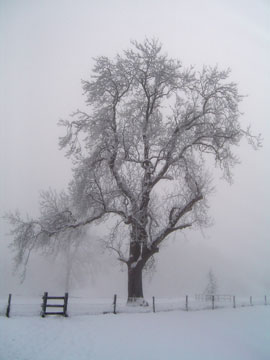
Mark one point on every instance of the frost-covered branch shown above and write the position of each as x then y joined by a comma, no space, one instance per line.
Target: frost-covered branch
175,215
140,153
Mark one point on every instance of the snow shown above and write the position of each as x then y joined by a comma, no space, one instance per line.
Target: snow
236,334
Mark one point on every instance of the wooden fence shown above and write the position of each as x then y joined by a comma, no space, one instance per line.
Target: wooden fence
45,305
57,305
8,305
218,297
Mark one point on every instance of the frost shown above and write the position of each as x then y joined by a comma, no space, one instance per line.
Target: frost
134,264
151,120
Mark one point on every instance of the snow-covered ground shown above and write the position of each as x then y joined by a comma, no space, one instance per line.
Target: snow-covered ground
230,334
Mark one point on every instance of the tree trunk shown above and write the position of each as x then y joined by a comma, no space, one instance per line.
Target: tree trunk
135,289
138,257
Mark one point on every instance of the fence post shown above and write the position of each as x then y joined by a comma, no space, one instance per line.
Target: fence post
265,300
44,304
154,305
8,306
234,305
213,302
186,302
250,301
65,305
114,303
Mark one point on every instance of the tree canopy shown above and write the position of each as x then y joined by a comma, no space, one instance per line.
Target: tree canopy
140,154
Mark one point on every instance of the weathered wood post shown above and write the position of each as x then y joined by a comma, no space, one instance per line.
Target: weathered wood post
186,302
250,300
114,303
234,305
65,305
44,304
213,302
154,305
265,300
8,306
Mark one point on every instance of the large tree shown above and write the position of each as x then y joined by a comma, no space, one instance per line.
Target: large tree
140,153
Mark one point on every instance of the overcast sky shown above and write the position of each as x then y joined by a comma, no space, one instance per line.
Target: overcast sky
46,48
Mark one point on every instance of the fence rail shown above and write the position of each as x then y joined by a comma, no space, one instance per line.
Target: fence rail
218,298
19,306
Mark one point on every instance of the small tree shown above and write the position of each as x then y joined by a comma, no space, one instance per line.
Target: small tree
140,154
212,287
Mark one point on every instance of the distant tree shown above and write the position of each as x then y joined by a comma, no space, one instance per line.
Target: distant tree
79,257
140,154
212,286
73,249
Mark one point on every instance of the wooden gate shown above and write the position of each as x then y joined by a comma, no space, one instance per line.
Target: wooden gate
46,305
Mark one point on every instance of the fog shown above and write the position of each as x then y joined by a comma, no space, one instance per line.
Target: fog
47,47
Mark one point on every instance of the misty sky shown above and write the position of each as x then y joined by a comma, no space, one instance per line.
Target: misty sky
46,48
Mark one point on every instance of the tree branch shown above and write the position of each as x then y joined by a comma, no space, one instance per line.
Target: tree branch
173,219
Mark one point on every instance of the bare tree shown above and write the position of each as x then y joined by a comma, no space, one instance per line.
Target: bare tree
78,251
73,247
79,257
140,154
212,286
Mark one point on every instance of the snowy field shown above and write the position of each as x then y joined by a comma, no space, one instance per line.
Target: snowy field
230,334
